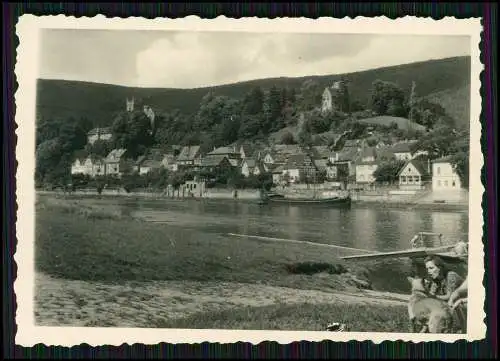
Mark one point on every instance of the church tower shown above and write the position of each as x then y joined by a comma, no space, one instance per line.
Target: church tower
130,104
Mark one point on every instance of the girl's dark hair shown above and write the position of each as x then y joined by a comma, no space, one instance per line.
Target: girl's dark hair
438,261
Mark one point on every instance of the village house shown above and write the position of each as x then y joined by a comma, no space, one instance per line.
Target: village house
324,165
280,153
169,162
189,156
272,157
246,151
99,134
250,166
89,165
402,150
366,166
231,153
216,163
150,161
116,162
277,174
194,188
413,175
299,166
345,162
444,177
321,152
82,166
351,144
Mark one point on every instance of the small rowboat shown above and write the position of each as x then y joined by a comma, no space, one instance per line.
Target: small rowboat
457,252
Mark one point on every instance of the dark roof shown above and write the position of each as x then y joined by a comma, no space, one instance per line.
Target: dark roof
249,149
213,160
287,148
348,154
445,159
278,169
260,167
169,157
353,143
420,166
115,155
154,155
321,164
223,151
250,162
140,159
189,152
386,120
384,153
403,147
368,152
95,131
152,163
297,161
321,151
375,162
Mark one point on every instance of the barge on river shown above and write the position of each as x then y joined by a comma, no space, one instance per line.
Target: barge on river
273,198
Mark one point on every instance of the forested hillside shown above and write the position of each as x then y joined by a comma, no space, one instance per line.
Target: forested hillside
99,102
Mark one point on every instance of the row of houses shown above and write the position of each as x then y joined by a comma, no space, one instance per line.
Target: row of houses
356,163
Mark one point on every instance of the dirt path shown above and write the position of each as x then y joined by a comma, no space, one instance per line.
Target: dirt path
80,303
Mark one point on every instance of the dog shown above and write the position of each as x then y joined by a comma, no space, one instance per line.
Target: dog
427,314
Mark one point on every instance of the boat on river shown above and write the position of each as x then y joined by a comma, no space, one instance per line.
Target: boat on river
454,252
340,201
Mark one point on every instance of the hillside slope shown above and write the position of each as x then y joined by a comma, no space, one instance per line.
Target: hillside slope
455,101
98,102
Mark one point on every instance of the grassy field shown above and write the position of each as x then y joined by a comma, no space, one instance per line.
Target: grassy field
96,255
308,316
81,245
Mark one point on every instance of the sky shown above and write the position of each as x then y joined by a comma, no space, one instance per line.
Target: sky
170,59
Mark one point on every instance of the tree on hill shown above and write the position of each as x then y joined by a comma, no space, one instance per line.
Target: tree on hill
250,126
437,143
173,127
387,98
287,138
305,135
131,131
309,96
253,102
48,155
227,131
99,148
460,157
388,171
273,105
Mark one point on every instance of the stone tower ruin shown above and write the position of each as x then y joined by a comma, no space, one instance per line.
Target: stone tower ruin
130,104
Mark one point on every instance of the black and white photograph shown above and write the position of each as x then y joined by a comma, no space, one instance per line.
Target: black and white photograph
284,180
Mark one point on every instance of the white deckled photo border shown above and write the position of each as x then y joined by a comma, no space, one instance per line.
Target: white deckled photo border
26,70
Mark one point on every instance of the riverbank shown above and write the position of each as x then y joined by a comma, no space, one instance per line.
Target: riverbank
192,304
451,207
115,270
253,196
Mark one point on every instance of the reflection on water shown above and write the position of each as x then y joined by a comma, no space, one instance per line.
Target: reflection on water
368,228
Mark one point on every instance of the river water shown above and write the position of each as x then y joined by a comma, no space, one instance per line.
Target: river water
371,227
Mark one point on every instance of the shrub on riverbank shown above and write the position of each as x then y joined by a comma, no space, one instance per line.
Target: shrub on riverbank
117,250
76,208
